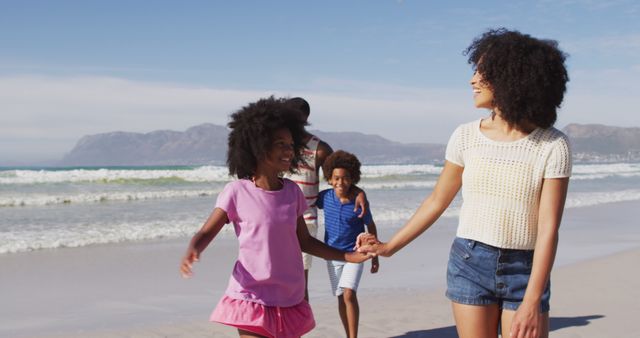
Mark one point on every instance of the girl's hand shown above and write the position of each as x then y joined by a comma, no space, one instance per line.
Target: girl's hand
526,321
189,258
375,265
356,257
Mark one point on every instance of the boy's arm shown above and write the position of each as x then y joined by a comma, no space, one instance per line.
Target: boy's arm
375,262
323,151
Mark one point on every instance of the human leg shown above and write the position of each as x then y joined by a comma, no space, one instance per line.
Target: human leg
507,320
306,285
334,269
471,288
249,334
476,321
342,311
348,286
515,267
352,312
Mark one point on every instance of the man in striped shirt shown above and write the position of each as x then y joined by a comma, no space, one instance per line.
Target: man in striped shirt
315,153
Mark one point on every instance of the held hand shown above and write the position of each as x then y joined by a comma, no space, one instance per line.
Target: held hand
365,239
375,265
526,321
189,258
375,249
357,257
369,244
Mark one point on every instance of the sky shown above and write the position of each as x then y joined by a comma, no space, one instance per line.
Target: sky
392,68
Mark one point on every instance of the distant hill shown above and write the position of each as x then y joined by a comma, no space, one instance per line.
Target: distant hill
374,149
207,144
202,144
599,143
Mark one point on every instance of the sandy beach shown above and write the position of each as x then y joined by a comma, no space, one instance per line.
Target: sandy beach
134,290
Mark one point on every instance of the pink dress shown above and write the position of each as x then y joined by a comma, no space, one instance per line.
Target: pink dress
265,293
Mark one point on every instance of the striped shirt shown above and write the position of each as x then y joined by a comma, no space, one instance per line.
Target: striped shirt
341,224
307,179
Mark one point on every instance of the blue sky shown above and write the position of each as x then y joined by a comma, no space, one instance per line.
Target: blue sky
393,68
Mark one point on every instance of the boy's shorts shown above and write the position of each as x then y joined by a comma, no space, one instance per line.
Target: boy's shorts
344,275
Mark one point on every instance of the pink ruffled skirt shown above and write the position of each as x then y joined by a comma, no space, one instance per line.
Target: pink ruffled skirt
268,321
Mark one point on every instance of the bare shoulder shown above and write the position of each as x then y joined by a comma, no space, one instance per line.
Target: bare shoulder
324,150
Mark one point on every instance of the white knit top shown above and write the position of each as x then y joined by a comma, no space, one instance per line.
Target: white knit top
502,181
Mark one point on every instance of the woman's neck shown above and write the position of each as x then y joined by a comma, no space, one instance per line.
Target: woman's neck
496,127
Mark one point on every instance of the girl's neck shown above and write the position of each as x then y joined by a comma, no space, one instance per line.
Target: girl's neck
267,180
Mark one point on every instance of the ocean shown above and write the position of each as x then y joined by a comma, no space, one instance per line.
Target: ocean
51,208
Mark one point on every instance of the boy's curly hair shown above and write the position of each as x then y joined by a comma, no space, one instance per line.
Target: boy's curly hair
251,135
527,75
343,160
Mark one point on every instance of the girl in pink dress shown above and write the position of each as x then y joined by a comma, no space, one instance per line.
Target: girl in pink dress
265,295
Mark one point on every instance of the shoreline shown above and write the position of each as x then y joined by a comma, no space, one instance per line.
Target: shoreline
134,289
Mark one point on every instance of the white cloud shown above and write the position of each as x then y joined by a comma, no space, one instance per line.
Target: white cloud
628,44
62,110
606,96
66,108
42,117
593,5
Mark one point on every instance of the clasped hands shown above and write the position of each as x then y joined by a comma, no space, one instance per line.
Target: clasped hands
368,244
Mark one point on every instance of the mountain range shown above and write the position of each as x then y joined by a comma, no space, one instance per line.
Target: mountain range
207,144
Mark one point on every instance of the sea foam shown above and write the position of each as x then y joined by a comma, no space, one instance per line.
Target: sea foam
199,174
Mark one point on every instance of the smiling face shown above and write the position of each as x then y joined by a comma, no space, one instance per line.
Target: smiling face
281,153
341,181
482,92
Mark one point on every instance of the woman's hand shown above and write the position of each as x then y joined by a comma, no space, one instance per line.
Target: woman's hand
369,244
365,238
526,321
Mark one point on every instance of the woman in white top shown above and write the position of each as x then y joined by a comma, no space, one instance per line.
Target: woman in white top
513,168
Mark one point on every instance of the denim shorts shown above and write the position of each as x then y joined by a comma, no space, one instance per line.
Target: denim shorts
480,274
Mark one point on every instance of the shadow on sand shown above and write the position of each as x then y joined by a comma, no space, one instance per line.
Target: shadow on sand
555,323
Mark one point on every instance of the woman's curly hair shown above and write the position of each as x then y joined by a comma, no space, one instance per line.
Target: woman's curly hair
527,75
252,130
343,160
